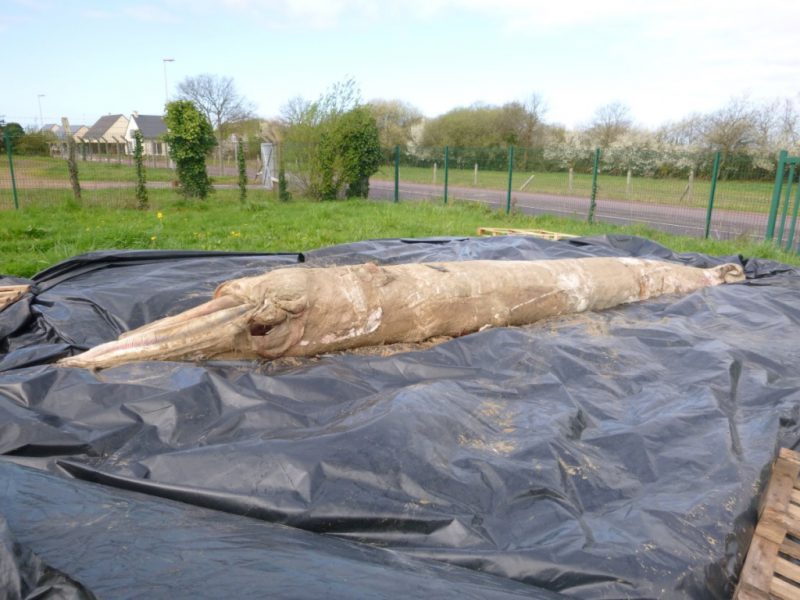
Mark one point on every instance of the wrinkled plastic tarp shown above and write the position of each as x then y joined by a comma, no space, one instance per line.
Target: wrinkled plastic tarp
610,454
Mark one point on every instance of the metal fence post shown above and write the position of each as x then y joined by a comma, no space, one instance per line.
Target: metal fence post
794,219
712,193
7,143
446,160
510,174
595,169
776,196
397,173
786,200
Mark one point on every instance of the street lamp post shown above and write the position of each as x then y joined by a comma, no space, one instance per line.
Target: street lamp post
41,120
166,89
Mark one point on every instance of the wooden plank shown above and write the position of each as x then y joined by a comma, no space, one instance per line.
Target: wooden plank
11,293
772,526
540,233
794,512
788,569
789,455
759,566
745,591
781,484
790,548
765,573
748,592
784,590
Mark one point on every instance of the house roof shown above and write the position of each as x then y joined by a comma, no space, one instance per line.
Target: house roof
101,127
151,126
58,130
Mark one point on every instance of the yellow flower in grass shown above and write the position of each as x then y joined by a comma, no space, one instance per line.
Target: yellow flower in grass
159,215
153,238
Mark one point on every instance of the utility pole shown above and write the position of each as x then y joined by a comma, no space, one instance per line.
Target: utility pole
41,120
166,88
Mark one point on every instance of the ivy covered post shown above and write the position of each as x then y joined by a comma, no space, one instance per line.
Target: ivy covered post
141,178
284,195
72,164
242,167
190,138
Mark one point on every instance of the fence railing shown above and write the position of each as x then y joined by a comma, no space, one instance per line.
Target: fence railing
788,167
698,194
106,179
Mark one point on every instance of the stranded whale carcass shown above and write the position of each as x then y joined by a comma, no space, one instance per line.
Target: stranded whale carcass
302,311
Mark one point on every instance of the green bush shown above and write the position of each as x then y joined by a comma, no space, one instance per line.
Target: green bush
331,146
190,138
338,154
14,132
34,144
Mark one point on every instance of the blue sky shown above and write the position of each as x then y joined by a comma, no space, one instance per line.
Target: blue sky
664,59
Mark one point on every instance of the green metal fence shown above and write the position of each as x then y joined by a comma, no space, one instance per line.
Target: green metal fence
698,194
787,171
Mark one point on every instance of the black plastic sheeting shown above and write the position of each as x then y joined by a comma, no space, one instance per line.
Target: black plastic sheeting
617,454
25,575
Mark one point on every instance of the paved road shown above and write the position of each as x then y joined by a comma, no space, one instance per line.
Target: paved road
681,220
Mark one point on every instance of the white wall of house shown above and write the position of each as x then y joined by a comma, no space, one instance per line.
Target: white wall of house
117,130
149,147
110,141
78,135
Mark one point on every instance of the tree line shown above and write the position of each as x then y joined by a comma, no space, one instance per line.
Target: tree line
331,145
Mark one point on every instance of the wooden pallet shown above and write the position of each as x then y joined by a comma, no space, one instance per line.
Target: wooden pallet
540,233
11,293
772,566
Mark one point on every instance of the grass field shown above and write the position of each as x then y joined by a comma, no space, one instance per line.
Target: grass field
751,196
37,168
35,237
35,171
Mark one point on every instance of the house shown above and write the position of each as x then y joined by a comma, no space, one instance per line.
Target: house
152,128
53,128
78,132
107,135
58,130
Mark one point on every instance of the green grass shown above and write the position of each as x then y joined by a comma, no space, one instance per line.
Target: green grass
35,237
32,170
752,196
